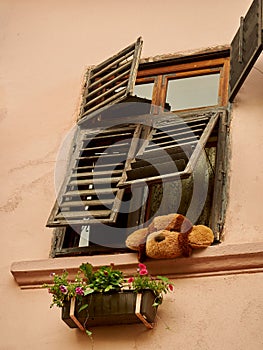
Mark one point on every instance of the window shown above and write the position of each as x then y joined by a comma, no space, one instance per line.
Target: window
134,155
151,139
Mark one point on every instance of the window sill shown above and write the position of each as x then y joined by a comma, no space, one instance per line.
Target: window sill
222,259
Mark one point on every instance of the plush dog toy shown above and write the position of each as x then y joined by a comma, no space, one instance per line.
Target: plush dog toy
169,236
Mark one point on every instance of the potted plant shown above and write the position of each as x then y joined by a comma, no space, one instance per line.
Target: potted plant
105,297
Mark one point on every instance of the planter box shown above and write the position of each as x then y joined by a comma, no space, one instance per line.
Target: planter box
125,307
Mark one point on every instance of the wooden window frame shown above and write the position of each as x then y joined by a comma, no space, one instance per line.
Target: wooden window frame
193,65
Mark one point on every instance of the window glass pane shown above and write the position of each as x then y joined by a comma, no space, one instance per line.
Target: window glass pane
144,90
193,92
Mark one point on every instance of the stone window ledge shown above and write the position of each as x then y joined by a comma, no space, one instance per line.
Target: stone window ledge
222,259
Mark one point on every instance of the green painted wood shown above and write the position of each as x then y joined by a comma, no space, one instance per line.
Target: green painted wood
111,309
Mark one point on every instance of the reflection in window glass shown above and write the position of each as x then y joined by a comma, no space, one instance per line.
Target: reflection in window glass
193,92
144,90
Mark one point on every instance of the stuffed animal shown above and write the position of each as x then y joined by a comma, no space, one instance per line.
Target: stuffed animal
169,236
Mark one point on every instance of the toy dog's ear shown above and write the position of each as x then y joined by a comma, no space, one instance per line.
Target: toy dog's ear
137,238
200,237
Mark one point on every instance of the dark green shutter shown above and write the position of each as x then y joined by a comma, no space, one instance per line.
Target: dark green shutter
245,47
90,194
112,80
172,148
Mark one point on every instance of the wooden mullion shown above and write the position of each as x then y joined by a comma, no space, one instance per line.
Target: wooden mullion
224,83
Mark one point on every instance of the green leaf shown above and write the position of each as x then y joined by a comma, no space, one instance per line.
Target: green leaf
88,291
108,288
83,307
164,279
88,332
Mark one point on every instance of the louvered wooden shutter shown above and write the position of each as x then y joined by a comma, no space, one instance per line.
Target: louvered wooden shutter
245,47
90,193
173,147
112,80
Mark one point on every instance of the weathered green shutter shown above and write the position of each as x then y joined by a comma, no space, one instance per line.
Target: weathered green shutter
172,148
90,194
245,47
112,80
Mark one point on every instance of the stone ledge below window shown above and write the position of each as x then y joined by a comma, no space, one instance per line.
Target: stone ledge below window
221,259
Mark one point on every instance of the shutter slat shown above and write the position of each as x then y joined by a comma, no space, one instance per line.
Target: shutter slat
103,156
176,133
70,221
111,131
83,214
112,64
107,92
105,102
95,181
90,192
97,173
153,170
117,145
89,203
107,76
98,166
109,83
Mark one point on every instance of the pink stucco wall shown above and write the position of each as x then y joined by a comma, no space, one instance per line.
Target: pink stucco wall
45,46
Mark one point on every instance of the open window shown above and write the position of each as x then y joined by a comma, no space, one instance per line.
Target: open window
151,139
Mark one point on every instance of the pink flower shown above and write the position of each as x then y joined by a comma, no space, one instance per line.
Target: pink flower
131,279
143,272
79,291
142,267
63,289
171,287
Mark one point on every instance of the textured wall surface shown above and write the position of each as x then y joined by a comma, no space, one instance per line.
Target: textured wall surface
45,47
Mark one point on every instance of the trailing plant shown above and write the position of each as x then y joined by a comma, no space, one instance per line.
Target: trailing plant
104,280
159,285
